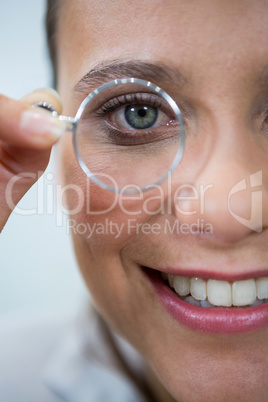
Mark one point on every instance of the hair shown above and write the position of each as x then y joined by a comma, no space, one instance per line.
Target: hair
51,30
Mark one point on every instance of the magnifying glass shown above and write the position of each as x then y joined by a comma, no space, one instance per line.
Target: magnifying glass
128,135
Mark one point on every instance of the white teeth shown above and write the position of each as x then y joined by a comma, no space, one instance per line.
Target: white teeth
244,292
262,288
198,288
182,285
219,293
213,292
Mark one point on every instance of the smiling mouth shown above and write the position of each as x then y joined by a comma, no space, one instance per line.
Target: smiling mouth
216,293
212,305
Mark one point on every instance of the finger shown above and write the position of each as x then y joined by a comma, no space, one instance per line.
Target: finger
27,127
26,137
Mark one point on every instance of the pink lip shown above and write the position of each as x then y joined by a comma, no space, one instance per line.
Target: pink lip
210,320
221,276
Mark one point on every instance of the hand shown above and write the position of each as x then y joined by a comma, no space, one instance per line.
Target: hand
26,138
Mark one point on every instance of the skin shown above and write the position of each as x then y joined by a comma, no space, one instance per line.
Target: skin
221,48
22,148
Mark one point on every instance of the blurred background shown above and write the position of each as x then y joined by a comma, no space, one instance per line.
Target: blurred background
37,265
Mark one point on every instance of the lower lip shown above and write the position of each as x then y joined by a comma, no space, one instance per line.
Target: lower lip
218,320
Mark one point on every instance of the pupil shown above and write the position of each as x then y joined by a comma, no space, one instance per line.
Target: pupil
141,116
142,112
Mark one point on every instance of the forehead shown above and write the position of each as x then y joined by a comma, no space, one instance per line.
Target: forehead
197,35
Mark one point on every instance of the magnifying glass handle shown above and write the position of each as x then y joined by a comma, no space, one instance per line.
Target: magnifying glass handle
71,122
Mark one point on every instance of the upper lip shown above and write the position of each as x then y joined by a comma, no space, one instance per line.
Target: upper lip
220,274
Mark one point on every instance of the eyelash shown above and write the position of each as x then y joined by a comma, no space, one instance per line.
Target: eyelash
127,99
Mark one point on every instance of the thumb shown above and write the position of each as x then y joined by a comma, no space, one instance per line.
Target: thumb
26,137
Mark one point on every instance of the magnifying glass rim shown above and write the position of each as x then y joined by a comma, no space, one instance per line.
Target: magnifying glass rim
160,92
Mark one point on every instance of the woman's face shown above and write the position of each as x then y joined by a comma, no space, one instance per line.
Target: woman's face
217,55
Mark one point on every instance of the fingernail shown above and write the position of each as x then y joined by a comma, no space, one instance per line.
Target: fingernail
41,125
50,91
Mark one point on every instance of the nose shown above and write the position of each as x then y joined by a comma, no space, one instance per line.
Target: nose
224,194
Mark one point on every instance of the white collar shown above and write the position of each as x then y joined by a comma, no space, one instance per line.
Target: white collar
83,368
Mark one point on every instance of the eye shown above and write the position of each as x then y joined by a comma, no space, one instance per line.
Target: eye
139,117
136,111
132,118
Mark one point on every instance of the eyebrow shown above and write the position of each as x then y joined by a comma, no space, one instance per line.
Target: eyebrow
115,69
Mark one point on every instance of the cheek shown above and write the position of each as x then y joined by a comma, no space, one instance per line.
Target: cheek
99,244
97,216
